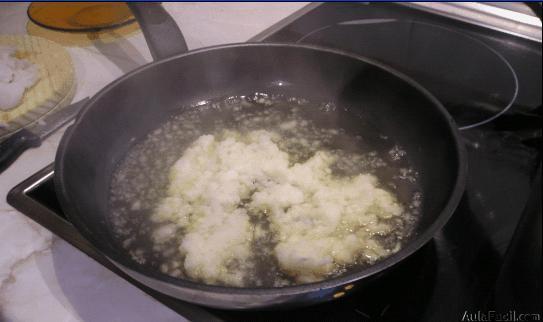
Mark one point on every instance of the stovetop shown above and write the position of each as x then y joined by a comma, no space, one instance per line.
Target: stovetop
477,73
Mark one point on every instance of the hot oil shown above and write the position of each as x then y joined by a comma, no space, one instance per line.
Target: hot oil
303,127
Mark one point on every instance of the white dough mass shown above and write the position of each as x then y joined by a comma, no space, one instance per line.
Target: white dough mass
16,75
227,191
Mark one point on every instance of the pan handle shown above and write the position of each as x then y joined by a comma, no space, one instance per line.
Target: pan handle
161,33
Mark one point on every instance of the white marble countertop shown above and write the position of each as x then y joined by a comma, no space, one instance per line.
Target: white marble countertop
42,278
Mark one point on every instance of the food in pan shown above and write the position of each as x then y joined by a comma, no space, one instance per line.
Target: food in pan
269,198
226,192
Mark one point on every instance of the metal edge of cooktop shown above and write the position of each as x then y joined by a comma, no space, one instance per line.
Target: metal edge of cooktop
19,198
485,15
261,36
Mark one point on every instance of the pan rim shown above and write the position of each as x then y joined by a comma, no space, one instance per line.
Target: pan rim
415,244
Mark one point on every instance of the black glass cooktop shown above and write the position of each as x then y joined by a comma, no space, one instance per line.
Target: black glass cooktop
491,83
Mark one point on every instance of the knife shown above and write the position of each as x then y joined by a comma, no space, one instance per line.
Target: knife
33,135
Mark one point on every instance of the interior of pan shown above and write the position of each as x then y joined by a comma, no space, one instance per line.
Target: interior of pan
128,109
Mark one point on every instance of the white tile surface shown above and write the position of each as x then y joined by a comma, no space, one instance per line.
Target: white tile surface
42,278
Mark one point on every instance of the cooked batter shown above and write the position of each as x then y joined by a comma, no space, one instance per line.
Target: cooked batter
319,221
264,194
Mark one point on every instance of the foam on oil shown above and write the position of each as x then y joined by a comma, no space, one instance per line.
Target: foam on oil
300,128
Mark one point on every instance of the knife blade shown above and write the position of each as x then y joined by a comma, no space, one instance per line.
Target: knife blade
51,122
33,135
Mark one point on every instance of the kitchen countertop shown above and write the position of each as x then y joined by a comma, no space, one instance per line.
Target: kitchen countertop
42,278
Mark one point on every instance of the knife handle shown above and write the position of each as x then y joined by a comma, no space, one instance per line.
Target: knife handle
15,145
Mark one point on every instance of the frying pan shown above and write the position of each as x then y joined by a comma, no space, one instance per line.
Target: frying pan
142,100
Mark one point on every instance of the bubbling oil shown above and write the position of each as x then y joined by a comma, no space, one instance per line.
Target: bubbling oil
301,128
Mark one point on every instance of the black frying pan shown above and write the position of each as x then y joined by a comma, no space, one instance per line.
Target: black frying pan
139,102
